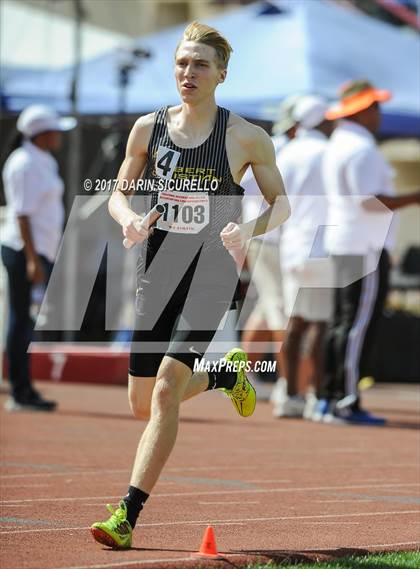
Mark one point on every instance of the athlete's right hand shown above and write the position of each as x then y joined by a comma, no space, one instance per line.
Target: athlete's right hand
133,230
233,237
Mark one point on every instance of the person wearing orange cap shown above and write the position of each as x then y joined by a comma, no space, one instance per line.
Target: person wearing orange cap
358,184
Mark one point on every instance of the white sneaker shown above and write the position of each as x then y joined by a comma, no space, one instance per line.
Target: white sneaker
311,404
279,391
292,406
12,405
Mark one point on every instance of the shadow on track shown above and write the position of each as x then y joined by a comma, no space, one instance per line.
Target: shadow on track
314,556
246,557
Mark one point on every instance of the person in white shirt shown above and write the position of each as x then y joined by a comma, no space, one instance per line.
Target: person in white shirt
356,173
30,238
267,321
308,304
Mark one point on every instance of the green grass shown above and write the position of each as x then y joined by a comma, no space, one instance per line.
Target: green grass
401,560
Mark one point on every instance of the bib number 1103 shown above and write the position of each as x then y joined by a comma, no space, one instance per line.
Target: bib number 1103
185,212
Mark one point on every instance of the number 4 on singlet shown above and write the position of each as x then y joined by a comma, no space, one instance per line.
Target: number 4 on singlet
166,161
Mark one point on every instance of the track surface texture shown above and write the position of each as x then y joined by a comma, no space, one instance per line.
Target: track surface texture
272,489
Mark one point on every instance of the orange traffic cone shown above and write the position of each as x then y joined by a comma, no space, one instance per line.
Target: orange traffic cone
208,545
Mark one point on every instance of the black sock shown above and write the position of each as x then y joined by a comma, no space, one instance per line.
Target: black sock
218,379
134,501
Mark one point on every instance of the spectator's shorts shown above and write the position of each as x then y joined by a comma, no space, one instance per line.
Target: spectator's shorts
303,295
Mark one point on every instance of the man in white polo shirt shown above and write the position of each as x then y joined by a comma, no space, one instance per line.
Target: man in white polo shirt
308,304
357,237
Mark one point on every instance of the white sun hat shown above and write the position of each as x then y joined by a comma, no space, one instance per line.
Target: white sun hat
310,111
36,119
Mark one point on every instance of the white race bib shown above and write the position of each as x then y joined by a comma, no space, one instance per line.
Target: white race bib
185,212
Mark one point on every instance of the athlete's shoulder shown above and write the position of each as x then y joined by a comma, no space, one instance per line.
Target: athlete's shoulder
145,122
245,133
140,133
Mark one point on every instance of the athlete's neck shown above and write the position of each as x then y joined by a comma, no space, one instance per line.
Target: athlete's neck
190,125
198,116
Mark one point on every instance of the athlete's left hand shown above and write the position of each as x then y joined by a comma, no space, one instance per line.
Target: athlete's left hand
233,237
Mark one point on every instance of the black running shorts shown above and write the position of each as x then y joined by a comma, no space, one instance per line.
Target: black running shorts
184,329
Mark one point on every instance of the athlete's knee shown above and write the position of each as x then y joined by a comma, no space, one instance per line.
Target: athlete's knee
165,396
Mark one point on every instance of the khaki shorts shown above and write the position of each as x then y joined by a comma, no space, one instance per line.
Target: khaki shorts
264,267
303,295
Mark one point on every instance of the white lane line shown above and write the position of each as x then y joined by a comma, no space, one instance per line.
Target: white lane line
279,464
377,480
17,505
79,528
240,502
66,473
8,527
234,521
285,518
208,468
331,523
402,491
226,524
216,492
342,501
24,486
119,471
96,505
227,555
267,481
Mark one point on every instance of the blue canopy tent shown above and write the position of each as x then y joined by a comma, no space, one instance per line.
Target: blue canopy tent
280,47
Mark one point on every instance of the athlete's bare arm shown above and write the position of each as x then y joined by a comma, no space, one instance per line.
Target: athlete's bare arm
248,144
130,170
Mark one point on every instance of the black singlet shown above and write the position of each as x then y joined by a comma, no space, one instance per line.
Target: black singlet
206,164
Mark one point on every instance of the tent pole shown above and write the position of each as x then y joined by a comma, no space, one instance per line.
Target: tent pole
74,171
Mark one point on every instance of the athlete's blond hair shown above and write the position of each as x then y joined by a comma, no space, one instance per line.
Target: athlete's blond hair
208,36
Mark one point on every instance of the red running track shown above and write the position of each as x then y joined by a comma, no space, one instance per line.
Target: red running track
272,489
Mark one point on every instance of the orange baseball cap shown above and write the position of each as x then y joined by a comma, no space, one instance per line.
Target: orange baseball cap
356,96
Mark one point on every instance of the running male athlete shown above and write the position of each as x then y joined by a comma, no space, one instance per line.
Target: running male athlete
192,143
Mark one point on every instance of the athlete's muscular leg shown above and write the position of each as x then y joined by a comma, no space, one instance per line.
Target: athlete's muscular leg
198,383
160,434
140,391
